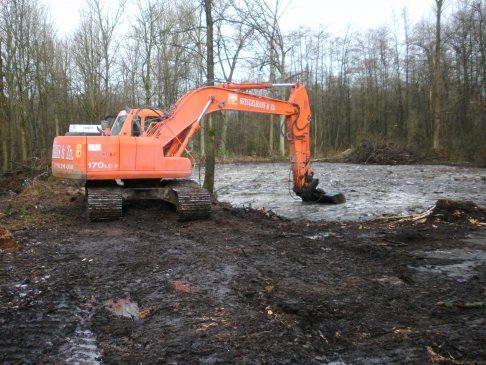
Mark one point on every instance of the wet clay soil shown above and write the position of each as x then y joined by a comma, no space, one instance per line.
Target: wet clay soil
244,286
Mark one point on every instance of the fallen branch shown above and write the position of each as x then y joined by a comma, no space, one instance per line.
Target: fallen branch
425,214
414,217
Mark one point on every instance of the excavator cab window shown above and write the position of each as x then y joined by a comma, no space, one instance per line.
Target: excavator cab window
117,125
149,121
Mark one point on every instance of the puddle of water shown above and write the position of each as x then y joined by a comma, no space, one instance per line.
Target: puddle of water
476,239
124,307
320,235
463,260
460,272
222,290
390,280
82,348
465,254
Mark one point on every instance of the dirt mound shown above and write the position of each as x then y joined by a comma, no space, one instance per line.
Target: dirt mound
29,197
14,182
381,153
452,212
456,210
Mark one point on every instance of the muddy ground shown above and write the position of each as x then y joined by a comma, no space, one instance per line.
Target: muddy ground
245,286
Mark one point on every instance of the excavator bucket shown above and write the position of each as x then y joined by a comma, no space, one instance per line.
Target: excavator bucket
310,193
320,197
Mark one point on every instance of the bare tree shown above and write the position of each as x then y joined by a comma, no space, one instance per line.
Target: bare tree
265,19
232,39
27,52
210,141
4,130
144,34
437,88
95,49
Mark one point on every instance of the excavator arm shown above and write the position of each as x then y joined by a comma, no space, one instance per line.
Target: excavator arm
185,118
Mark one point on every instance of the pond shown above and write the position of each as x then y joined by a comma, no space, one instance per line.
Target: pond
371,190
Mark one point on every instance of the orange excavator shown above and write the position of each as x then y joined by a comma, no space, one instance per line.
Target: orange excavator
141,155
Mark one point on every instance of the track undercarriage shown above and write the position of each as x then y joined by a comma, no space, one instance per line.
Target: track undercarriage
106,202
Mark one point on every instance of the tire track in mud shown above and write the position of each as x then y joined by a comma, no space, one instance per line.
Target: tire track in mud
43,316
82,348
51,328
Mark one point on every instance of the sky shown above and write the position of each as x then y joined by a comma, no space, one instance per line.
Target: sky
360,14
334,15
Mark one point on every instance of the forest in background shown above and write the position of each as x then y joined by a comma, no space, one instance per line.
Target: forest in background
420,85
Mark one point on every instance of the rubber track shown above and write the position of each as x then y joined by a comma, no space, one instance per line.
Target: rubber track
193,202
104,203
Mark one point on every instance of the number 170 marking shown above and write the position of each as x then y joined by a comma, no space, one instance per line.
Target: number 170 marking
101,165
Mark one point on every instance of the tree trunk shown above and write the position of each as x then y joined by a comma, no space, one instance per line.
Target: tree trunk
281,133
210,137
3,119
281,144
270,136
272,92
224,133
210,151
437,93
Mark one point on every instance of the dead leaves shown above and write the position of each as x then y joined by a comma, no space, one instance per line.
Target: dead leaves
477,222
7,240
436,357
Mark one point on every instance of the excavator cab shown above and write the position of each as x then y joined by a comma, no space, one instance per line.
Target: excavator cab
142,120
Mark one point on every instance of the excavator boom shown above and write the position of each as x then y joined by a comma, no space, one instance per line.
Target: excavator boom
147,144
